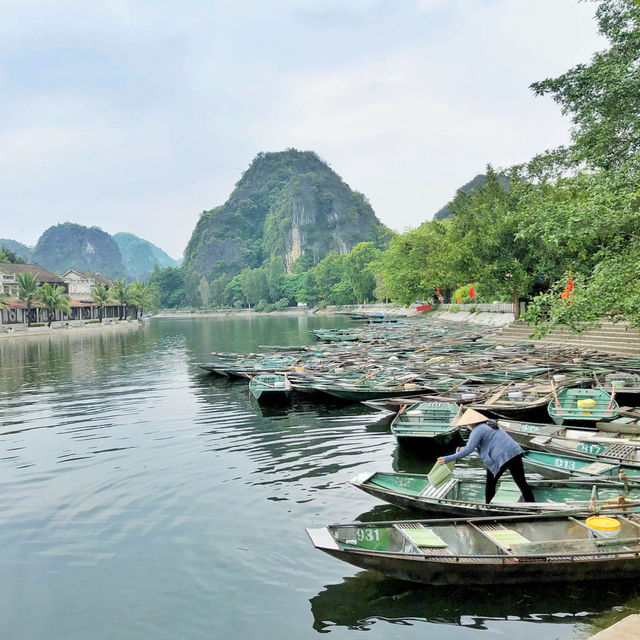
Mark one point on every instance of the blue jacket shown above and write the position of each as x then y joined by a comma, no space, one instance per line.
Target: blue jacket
494,446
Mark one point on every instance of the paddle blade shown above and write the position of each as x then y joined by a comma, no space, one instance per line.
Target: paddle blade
440,473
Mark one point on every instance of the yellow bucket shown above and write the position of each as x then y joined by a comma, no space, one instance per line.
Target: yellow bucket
587,403
608,527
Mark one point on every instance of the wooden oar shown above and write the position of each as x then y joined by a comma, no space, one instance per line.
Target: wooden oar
613,395
554,391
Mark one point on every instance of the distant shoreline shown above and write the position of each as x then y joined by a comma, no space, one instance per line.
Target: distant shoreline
76,328
483,318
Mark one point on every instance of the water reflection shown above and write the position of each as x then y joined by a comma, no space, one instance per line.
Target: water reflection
361,601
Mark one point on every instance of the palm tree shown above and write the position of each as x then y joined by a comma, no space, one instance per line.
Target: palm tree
102,296
54,299
145,296
28,291
123,294
4,298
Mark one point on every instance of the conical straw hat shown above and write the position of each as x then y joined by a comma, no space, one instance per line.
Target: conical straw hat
470,416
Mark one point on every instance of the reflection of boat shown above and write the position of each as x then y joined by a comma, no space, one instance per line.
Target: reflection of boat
460,497
427,425
574,442
270,388
555,465
369,599
521,549
582,406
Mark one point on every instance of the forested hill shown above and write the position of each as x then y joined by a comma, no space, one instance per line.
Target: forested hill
479,181
141,256
68,245
289,203
21,250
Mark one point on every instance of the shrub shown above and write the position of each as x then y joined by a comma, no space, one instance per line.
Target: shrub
37,324
281,304
261,306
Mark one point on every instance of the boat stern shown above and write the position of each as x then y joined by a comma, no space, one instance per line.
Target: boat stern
361,478
322,539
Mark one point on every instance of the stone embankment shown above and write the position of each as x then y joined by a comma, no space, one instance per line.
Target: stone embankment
626,629
620,338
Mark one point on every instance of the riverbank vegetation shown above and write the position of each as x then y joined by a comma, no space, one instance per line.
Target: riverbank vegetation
561,231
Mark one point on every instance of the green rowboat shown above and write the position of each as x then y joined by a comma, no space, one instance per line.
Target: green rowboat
428,425
270,388
553,465
464,497
487,551
574,442
570,406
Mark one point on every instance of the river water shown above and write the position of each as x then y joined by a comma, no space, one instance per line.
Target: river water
142,498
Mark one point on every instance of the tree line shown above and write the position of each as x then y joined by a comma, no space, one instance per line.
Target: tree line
53,297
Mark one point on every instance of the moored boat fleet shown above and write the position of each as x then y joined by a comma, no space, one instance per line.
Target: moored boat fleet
562,405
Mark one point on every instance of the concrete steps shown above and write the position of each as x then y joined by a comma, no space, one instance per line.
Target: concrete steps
609,338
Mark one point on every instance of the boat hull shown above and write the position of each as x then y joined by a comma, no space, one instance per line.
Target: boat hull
454,571
440,443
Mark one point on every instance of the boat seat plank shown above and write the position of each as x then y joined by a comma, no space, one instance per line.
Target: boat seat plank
501,536
596,467
435,492
427,540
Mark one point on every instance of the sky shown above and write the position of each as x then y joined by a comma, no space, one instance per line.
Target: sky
137,115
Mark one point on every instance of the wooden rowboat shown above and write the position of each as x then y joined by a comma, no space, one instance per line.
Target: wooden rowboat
270,388
573,442
626,426
464,497
554,465
428,426
490,551
566,407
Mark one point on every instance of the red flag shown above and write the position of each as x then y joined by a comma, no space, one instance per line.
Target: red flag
568,290
472,293
439,295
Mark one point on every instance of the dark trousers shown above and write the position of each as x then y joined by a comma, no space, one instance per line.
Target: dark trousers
517,473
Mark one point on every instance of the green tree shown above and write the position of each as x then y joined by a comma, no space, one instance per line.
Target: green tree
275,273
233,292
124,294
359,272
253,283
169,283
28,291
54,299
330,271
144,296
102,296
218,288
6,255
291,286
602,97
